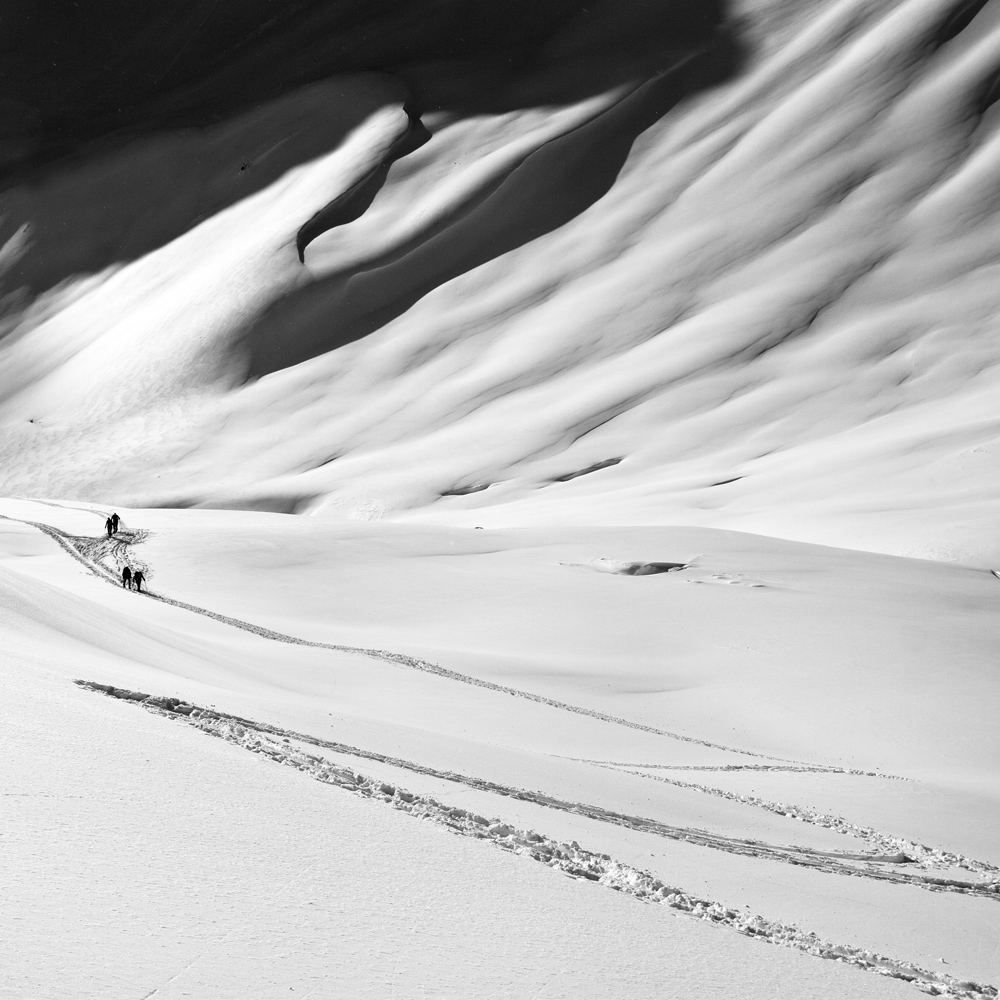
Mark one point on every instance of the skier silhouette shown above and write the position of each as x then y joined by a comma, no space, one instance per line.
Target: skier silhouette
108,526
137,580
114,522
127,578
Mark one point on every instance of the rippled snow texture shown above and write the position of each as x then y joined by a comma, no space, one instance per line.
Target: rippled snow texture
778,314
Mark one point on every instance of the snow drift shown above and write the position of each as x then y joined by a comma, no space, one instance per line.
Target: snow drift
756,264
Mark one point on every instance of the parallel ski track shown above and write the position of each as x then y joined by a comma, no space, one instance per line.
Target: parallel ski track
866,866
888,844
571,859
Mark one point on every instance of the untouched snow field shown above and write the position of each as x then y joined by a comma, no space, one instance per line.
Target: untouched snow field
802,736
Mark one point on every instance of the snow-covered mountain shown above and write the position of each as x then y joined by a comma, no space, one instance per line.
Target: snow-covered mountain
570,328
747,267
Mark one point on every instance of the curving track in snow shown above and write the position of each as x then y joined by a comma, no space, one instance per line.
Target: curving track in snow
91,553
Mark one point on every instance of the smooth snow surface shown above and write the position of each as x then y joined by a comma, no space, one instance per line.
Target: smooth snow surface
784,730
767,304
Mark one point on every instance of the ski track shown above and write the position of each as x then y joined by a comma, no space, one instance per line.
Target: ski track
90,552
785,768
886,847
275,742
867,866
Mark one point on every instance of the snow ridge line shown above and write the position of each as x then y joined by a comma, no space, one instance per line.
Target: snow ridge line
905,851
827,861
66,541
569,858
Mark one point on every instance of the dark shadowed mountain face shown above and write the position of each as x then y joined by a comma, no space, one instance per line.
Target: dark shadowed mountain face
544,191
71,73
362,258
142,123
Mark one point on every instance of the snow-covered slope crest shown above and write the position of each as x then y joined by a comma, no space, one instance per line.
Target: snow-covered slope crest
766,303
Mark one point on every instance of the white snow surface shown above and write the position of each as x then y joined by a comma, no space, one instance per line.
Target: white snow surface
780,688
780,317
644,620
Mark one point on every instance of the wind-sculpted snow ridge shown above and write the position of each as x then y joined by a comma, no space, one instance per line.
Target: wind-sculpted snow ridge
577,862
752,284
886,845
91,551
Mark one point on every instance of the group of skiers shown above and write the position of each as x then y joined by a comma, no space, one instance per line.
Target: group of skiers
129,579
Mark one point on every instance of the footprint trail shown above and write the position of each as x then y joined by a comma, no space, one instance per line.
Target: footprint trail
89,552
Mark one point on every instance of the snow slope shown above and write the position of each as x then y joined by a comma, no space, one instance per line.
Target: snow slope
636,367
156,862
783,283
652,719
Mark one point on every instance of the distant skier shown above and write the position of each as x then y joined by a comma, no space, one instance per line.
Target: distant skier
127,578
137,580
114,522
108,526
